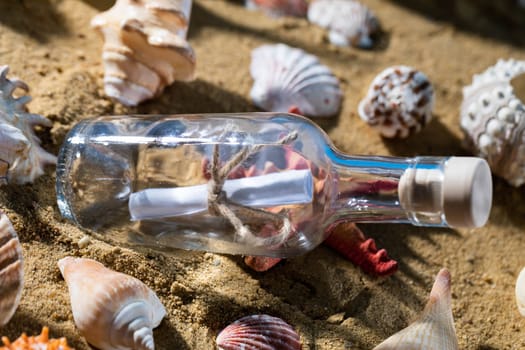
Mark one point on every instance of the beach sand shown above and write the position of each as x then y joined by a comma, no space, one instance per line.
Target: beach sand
330,302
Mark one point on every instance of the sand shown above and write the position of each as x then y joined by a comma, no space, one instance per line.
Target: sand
330,302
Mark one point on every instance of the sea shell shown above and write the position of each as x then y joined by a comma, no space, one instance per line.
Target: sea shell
350,23
21,157
287,78
493,118
258,332
11,270
145,47
434,329
278,8
520,292
113,311
399,102
41,341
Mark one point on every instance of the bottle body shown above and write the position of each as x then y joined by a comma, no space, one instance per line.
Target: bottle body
258,184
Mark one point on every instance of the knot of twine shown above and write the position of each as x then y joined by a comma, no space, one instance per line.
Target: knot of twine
219,205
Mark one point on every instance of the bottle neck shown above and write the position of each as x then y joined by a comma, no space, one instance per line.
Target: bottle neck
386,189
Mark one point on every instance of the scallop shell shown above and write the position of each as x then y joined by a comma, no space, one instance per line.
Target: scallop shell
350,23
434,328
11,270
21,157
287,78
493,118
145,47
113,311
520,292
258,332
278,8
41,341
399,102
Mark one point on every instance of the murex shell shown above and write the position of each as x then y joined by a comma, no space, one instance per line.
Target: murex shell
520,292
434,328
112,310
399,102
11,270
145,47
289,79
21,157
258,332
41,341
278,8
349,22
493,118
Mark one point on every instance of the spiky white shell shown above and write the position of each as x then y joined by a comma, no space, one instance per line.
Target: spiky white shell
113,311
11,270
278,8
258,332
434,329
399,102
493,120
21,157
145,47
349,22
520,292
287,78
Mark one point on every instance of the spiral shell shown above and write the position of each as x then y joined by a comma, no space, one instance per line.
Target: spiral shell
520,292
278,8
289,79
493,118
434,329
145,47
258,332
41,341
350,23
399,102
21,157
11,270
113,311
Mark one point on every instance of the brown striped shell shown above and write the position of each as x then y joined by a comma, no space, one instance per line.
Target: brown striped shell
399,102
257,332
11,270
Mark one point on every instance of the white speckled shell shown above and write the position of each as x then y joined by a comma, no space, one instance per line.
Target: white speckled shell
258,332
278,8
113,311
21,157
11,270
493,120
350,23
399,102
287,78
520,292
434,329
145,47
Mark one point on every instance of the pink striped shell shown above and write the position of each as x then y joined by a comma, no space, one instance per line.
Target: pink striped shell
278,8
259,332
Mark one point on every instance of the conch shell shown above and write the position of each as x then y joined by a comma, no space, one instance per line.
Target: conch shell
113,311
21,157
434,328
520,292
145,47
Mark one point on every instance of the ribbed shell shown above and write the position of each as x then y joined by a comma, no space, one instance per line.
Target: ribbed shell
399,102
520,292
11,270
113,311
258,332
434,329
493,119
350,23
278,8
145,47
287,78
21,157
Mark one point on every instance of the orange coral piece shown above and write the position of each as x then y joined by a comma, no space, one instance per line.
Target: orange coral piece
33,343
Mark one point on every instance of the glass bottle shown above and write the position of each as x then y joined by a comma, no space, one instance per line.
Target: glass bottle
258,184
